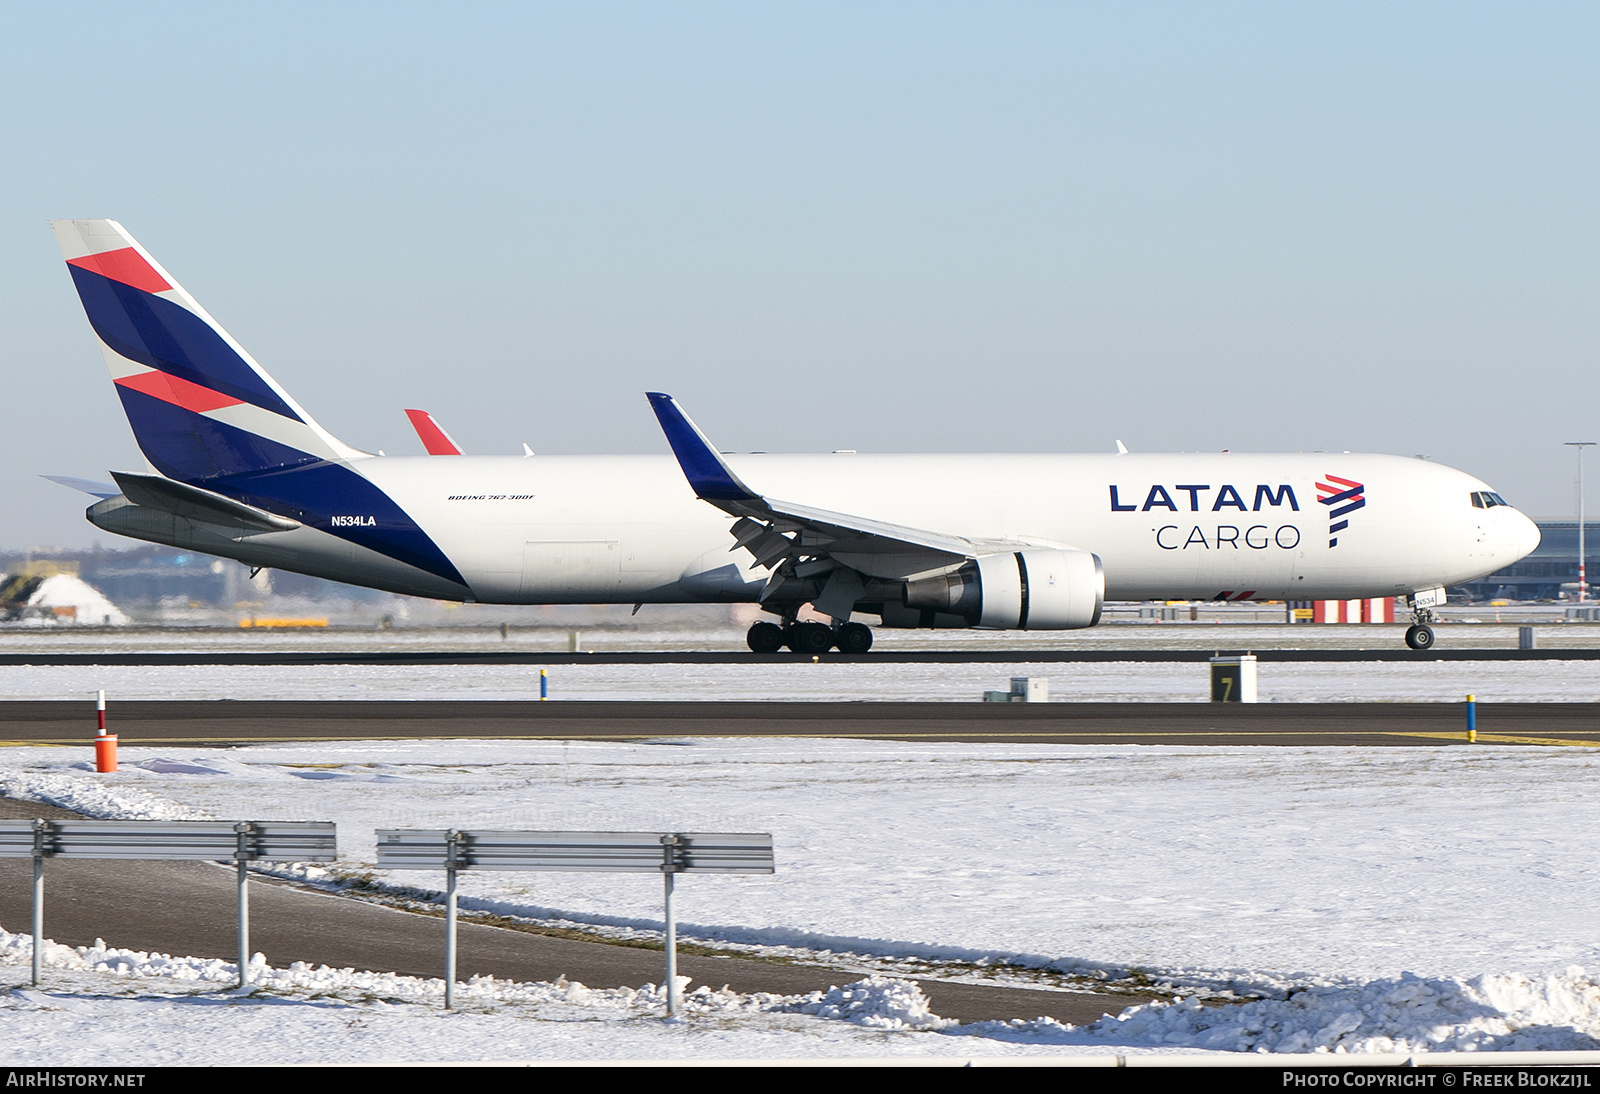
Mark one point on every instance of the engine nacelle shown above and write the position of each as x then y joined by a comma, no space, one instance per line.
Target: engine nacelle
1038,589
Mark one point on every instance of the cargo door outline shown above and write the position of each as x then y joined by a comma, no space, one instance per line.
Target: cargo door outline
578,571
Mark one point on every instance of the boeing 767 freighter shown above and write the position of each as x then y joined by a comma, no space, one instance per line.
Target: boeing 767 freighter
1034,542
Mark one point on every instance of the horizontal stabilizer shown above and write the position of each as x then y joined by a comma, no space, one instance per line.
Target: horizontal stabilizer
179,499
88,486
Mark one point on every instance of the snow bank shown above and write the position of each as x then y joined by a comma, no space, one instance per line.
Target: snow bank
92,799
353,985
876,1002
1406,1015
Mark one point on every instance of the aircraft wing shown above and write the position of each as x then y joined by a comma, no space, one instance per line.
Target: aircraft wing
873,547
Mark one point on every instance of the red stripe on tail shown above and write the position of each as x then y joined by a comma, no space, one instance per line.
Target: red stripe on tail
125,265
178,392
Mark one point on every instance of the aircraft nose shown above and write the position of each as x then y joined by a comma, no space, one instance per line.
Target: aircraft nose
1524,536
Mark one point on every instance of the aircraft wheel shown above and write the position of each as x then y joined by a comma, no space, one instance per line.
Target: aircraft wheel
1420,637
812,638
764,637
854,638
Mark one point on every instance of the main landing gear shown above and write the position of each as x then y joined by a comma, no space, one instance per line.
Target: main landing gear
764,637
812,638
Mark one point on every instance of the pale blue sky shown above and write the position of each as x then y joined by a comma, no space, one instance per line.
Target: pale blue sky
890,227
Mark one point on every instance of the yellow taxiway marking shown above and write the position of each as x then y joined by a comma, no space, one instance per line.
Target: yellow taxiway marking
1502,738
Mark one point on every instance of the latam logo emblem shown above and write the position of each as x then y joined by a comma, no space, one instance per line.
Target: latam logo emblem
1347,496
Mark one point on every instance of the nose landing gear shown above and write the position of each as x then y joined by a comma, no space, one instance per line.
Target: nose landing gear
1419,636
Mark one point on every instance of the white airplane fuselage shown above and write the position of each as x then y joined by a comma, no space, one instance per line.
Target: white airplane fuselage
628,529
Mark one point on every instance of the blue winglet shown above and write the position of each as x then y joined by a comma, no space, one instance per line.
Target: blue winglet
709,477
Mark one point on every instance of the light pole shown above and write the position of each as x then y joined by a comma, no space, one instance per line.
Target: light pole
1583,578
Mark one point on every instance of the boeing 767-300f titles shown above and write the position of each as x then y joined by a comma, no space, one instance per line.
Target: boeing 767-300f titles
1035,542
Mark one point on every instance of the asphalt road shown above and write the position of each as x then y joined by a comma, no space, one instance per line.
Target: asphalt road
223,722
188,908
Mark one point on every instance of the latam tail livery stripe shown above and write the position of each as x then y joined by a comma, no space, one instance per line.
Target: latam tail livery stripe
337,500
125,265
177,391
194,448
155,332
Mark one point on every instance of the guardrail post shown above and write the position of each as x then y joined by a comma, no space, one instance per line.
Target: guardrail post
41,829
671,864
452,859
241,857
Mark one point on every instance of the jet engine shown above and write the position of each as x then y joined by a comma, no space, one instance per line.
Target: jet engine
1038,589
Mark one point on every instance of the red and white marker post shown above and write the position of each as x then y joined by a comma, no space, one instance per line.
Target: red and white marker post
105,746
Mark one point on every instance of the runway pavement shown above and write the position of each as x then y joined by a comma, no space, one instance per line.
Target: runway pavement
188,908
741,657
224,722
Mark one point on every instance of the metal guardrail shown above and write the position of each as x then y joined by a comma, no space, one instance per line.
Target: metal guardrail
239,842
601,852
282,841
665,853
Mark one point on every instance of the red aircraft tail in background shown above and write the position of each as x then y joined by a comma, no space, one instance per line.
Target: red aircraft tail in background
434,438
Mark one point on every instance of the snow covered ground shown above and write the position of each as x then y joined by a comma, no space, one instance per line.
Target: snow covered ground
1313,682
1375,899
110,1007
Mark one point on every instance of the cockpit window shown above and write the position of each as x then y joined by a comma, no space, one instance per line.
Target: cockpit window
1487,499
